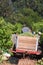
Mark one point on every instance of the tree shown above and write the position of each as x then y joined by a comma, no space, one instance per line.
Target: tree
6,8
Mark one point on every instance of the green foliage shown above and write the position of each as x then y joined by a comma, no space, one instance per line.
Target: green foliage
41,39
23,11
38,27
18,28
27,16
5,33
36,5
6,30
41,42
20,11
5,8
27,34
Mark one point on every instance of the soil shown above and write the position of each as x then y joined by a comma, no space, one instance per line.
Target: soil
19,61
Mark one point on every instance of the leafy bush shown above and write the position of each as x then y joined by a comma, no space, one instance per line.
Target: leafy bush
18,28
5,33
6,30
38,27
41,42
41,39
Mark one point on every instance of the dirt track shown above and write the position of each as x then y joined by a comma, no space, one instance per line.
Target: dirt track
17,61
26,62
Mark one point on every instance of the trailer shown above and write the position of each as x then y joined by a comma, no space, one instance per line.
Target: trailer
25,45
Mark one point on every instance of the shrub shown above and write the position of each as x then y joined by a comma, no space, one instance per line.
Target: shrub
5,34
18,28
38,26
41,41
6,30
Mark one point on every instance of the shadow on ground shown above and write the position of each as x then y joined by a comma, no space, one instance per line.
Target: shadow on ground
15,59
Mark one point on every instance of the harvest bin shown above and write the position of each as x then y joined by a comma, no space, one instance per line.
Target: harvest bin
25,44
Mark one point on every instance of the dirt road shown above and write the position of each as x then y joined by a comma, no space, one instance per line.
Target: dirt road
17,61
26,62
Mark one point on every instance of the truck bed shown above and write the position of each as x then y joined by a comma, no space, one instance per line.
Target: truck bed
26,44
